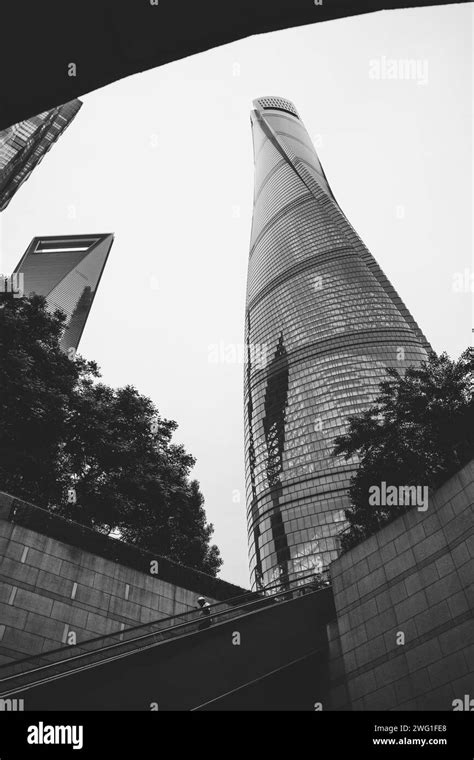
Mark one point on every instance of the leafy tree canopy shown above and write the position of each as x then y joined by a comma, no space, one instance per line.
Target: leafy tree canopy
418,432
101,456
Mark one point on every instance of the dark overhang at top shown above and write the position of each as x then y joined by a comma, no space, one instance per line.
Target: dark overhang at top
60,61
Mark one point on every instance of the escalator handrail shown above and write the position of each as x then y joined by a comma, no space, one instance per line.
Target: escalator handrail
167,630
258,595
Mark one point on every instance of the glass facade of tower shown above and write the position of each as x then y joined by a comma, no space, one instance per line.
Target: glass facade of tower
328,322
23,146
66,271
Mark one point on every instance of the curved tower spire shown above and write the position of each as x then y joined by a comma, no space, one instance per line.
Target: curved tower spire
328,321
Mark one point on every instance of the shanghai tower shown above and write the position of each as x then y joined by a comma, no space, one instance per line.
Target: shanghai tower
329,323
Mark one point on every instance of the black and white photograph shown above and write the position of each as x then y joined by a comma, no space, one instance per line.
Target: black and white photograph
237,371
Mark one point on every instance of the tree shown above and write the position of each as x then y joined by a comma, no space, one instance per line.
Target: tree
101,456
419,431
189,534
37,382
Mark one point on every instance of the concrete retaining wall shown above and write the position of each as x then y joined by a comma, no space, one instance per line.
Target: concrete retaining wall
49,589
411,582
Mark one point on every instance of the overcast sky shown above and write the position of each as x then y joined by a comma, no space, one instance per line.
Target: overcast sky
164,160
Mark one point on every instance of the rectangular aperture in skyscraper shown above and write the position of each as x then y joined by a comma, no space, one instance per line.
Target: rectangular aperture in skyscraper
66,271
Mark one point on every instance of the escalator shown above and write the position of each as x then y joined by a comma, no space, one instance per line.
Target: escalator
260,651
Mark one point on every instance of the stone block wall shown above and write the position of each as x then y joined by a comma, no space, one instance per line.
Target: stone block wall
49,589
412,582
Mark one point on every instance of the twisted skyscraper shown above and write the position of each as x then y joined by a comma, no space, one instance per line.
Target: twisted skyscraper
328,321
